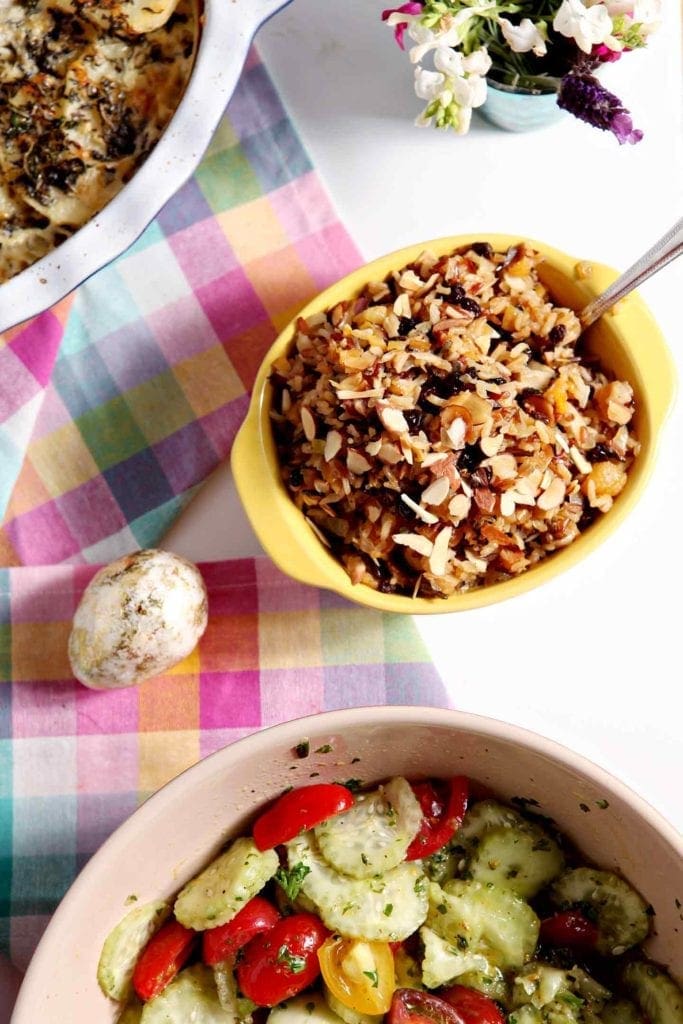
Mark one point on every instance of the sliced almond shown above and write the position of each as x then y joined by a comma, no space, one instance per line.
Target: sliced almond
553,495
414,541
492,445
503,467
373,448
421,513
456,433
459,506
438,560
432,457
507,504
436,492
333,443
307,423
393,419
357,463
390,454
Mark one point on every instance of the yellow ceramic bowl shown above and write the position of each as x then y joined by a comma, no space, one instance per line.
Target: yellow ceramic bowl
628,343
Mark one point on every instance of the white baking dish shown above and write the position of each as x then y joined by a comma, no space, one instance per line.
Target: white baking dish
227,32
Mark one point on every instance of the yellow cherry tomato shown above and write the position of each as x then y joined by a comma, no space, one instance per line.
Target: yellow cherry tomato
360,974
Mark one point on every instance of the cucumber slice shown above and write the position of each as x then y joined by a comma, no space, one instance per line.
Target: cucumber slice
538,984
541,984
486,919
346,1014
191,996
385,909
522,860
239,1007
309,1008
443,962
214,897
620,912
442,865
482,817
657,995
621,1011
123,946
491,982
372,836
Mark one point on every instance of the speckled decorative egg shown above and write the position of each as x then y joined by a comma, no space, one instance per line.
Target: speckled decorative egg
137,617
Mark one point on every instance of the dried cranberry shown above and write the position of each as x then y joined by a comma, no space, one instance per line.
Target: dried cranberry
601,453
413,418
470,306
458,293
295,477
482,249
470,457
406,324
500,331
557,334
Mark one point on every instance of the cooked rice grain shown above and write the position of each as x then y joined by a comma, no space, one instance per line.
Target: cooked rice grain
442,431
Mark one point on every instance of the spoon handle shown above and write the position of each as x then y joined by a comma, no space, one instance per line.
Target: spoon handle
662,252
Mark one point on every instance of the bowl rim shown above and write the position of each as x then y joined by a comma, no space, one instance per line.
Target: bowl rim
254,463
289,733
170,164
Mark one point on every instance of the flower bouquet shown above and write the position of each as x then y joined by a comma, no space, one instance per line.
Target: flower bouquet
532,45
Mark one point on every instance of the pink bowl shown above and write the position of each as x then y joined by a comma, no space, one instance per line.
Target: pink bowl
180,828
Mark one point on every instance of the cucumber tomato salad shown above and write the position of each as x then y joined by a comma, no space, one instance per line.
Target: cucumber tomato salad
411,903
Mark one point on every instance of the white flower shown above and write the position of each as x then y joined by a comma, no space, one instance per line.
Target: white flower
478,63
523,37
428,84
450,31
588,26
449,61
453,90
428,39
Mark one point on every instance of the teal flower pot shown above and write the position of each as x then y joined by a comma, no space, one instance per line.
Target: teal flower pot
520,110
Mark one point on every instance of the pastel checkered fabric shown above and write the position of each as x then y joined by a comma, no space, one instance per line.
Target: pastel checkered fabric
114,407
74,763
117,404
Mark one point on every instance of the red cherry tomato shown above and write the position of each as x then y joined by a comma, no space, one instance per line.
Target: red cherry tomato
411,1006
256,916
443,806
298,810
162,958
569,928
283,961
474,1007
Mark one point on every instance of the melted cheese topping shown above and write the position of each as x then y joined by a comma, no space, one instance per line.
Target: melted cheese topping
85,93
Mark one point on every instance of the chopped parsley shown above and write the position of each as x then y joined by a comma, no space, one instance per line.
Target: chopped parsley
290,880
325,749
302,749
295,963
373,976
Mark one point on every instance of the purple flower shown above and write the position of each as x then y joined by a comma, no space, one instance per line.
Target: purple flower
413,7
582,95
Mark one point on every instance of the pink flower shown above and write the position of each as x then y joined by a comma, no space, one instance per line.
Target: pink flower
413,7
604,54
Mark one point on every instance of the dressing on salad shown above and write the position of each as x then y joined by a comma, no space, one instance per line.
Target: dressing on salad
408,903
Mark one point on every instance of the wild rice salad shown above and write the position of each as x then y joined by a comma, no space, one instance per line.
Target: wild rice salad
443,430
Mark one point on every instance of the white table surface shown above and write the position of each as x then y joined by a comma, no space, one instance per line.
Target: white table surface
594,658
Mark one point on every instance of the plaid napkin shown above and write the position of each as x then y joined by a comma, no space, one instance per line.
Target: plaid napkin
74,762
117,404
114,407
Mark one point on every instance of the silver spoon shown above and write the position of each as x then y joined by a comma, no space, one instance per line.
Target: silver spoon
662,252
